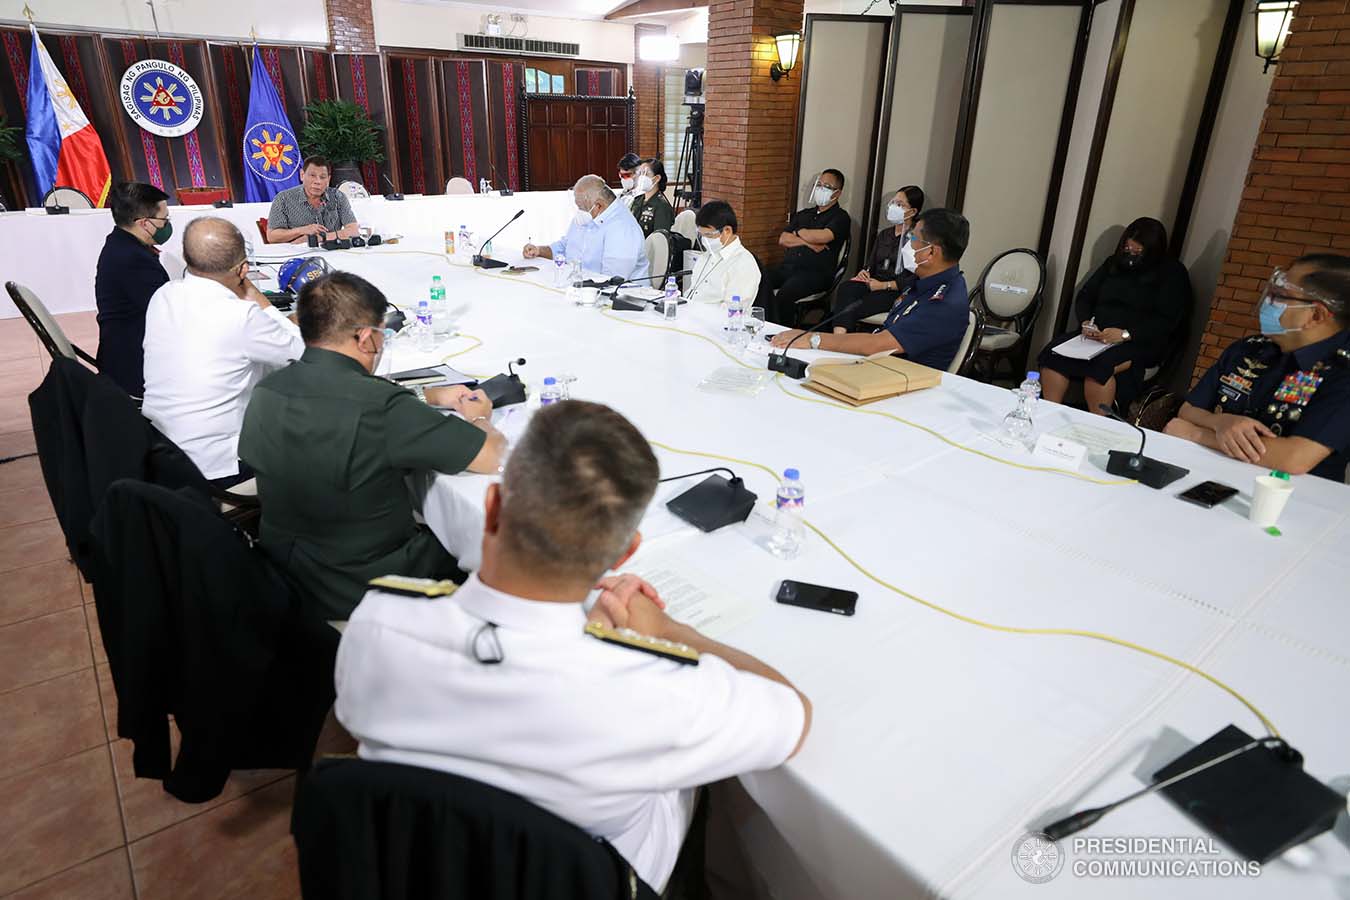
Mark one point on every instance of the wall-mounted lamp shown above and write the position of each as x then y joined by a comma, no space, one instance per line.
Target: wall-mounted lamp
1272,28
788,45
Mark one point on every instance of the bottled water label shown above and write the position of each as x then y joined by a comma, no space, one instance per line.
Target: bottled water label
790,502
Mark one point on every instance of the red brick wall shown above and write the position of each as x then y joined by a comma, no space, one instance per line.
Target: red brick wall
649,81
351,26
751,125
1296,198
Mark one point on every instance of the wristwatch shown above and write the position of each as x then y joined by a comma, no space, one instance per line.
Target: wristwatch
420,392
815,341
1124,334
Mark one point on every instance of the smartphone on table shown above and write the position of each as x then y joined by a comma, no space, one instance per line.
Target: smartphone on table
817,597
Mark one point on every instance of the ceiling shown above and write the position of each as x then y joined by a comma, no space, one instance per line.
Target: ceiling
567,9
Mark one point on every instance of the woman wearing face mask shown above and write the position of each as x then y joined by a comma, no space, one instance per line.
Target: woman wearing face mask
891,268
1133,303
650,207
129,272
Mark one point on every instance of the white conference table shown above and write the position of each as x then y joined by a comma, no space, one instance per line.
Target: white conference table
937,744
57,256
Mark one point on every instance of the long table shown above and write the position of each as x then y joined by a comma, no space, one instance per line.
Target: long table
937,744
57,256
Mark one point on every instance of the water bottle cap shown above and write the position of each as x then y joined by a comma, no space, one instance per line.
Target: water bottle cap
550,380
791,473
1033,376
435,278
735,298
1276,473
422,303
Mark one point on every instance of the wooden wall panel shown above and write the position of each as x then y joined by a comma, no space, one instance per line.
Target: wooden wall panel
573,136
360,79
414,124
464,120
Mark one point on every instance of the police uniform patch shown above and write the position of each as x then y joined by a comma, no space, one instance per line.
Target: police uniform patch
909,309
939,293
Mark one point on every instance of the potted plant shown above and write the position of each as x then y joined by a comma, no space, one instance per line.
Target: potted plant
11,142
343,132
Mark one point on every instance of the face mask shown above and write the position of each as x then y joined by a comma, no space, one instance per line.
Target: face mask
711,243
895,214
583,217
627,183
645,183
821,195
1271,312
379,354
163,232
907,257
1130,261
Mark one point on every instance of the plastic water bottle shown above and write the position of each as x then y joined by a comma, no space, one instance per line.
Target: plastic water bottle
551,392
670,304
789,531
463,244
1017,425
735,323
1032,387
560,271
440,311
426,338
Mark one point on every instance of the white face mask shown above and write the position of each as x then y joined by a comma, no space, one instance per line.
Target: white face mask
627,183
583,217
895,214
645,183
712,244
907,256
821,195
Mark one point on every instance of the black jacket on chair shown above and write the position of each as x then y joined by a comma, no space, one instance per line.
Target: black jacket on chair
199,626
89,434
383,831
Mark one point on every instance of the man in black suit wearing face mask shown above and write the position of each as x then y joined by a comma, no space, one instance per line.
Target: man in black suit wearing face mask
812,239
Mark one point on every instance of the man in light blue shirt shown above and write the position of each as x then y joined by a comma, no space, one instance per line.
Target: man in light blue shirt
604,237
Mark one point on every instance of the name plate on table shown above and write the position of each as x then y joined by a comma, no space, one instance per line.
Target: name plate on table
1059,452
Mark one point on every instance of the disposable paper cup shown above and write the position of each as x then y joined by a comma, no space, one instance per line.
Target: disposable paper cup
588,296
1269,496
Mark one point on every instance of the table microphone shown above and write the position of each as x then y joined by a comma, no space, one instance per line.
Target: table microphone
393,191
487,262
504,190
1144,469
1075,823
796,368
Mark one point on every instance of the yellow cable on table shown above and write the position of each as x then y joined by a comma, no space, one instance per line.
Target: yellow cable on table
1006,629
778,379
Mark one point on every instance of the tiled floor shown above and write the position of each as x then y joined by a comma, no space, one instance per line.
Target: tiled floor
74,822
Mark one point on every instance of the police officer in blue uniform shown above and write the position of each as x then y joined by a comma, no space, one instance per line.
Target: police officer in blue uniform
1281,399
928,320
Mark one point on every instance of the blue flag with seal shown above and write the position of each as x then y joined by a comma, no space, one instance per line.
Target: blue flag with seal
271,152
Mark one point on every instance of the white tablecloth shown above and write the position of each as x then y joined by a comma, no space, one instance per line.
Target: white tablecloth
937,744
57,256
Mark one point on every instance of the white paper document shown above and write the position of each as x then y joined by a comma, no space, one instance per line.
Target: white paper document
692,596
1079,347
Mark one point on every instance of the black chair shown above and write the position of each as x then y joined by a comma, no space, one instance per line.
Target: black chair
805,304
44,325
384,831
1009,294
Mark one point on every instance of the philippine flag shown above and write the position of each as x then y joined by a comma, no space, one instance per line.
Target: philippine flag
64,146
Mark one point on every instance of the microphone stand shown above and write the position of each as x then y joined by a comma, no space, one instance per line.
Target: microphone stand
393,191
796,368
487,262
1144,469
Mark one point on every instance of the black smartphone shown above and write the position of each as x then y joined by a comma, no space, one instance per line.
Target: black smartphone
817,597
1208,494
520,270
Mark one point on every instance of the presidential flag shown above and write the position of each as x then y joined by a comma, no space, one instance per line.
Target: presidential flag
271,152
64,147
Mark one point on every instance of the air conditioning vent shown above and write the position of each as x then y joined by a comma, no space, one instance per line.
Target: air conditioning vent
494,44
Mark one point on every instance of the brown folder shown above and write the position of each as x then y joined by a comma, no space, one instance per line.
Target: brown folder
868,380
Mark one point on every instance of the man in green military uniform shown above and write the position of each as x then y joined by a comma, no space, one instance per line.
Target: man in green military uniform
1281,399
331,444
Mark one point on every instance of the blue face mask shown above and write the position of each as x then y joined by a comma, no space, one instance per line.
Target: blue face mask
1271,311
